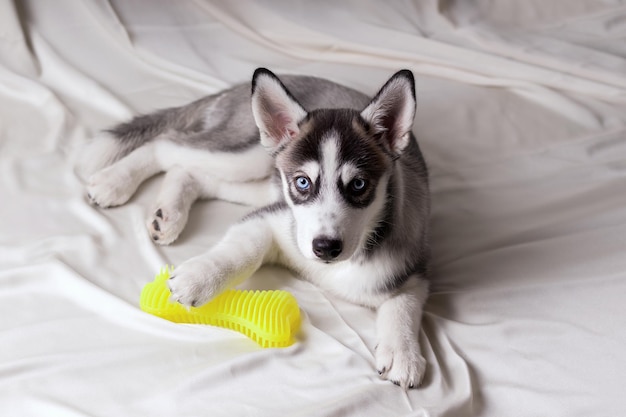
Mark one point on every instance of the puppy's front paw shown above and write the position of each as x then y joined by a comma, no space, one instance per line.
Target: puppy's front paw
401,363
195,282
165,225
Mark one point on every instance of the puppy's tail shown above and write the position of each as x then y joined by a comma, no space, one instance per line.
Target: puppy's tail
99,152
115,143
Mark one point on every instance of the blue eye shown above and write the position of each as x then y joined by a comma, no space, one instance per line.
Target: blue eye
303,183
358,185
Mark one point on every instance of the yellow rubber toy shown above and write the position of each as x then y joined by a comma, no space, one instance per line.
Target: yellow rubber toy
270,318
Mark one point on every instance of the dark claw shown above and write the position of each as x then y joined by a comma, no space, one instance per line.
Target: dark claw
92,201
381,371
411,385
396,383
156,226
159,214
194,303
172,277
155,237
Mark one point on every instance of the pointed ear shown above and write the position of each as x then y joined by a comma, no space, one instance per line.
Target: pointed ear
391,112
276,112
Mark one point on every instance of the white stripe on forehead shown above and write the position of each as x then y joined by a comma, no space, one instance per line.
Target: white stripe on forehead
331,165
330,155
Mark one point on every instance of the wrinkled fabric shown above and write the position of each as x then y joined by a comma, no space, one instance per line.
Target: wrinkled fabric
522,121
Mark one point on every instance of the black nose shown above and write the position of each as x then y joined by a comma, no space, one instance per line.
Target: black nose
327,249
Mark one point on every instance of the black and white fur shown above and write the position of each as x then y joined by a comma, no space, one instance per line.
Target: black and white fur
340,178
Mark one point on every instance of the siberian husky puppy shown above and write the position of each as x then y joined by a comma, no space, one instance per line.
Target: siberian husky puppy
339,178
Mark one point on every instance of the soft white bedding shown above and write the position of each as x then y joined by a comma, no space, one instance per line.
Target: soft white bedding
522,120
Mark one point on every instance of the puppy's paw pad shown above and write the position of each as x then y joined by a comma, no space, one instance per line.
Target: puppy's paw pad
164,225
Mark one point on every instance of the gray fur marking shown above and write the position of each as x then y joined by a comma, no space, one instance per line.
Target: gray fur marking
223,122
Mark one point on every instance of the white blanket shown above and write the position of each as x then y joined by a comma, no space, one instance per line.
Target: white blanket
522,121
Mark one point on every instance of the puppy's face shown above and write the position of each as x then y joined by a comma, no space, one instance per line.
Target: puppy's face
334,177
334,163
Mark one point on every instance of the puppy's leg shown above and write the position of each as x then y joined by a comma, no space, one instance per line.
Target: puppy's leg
115,184
181,188
398,354
178,192
238,255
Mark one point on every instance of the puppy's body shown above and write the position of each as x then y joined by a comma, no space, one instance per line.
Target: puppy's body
340,178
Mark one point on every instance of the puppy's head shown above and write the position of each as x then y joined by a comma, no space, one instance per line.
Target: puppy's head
335,164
